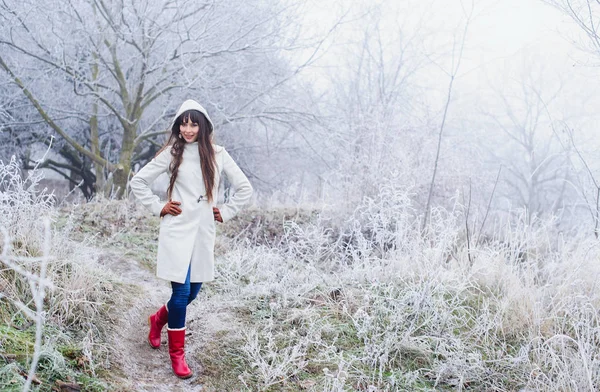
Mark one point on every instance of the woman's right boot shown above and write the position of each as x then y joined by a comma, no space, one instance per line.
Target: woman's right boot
157,321
177,353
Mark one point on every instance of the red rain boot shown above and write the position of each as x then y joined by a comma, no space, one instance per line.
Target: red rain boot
177,353
157,321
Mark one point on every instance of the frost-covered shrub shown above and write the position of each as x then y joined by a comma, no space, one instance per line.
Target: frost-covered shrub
80,286
46,279
395,308
275,355
23,209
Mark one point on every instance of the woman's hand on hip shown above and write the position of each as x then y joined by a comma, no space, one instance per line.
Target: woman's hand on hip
172,207
217,214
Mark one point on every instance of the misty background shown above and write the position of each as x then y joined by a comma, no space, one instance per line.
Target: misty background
489,104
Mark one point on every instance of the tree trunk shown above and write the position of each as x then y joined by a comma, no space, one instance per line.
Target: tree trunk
121,175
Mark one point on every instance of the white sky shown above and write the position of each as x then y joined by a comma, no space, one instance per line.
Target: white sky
507,40
501,29
507,26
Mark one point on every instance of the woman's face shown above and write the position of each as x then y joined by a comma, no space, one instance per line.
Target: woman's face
189,130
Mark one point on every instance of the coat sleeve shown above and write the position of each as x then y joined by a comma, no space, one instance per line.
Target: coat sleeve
140,183
241,187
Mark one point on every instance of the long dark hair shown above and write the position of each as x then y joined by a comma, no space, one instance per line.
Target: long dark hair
205,149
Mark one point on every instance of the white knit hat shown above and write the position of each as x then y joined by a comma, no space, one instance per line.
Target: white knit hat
190,104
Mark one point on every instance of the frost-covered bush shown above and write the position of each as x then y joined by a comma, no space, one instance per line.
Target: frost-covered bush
45,278
369,302
80,287
23,209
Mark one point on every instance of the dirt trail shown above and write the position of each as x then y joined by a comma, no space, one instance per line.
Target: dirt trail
143,368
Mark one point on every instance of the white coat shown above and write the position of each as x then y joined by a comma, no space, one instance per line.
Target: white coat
188,239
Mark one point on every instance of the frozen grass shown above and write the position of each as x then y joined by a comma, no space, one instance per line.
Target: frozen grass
368,303
48,284
115,225
327,300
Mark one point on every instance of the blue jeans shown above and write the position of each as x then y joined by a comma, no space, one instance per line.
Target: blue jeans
183,294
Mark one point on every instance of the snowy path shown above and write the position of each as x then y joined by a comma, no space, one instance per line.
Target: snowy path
142,368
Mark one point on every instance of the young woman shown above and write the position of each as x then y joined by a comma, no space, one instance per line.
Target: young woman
186,238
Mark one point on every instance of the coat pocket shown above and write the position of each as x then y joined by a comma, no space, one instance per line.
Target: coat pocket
169,219
164,221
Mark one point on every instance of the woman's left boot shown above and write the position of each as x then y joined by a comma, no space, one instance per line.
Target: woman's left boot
157,321
177,353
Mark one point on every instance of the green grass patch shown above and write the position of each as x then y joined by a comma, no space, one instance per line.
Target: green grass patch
59,361
222,363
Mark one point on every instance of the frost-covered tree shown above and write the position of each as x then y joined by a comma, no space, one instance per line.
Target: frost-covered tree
104,76
586,16
370,102
520,137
